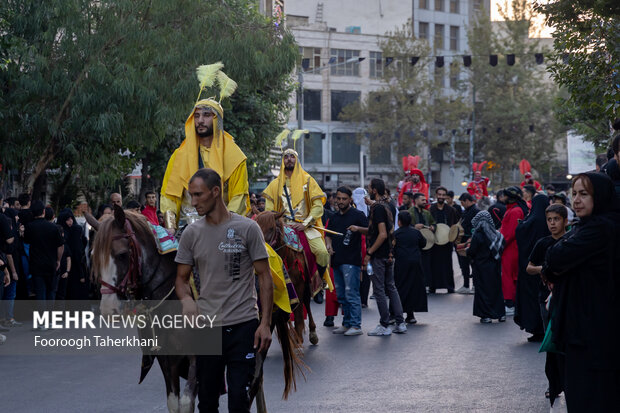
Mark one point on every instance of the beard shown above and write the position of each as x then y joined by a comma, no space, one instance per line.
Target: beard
440,201
208,132
289,167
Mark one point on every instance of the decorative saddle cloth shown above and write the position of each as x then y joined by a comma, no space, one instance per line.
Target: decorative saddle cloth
166,243
291,238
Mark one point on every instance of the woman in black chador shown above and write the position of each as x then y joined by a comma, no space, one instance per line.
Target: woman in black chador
408,274
585,269
527,308
485,252
77,283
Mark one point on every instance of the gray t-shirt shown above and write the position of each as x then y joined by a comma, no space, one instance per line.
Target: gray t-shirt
223,255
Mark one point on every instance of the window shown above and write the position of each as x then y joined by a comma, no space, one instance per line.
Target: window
439,77
439,5
340,68
313,147
312,104
423,4
376,65
380,155
477,5
423,30
340,99
345,148
313,54
454,37
439,32
454,6
454,76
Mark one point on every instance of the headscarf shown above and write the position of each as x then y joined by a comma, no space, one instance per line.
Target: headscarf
224,159
515,194
299,178
604,193
62,218
358,199
483,222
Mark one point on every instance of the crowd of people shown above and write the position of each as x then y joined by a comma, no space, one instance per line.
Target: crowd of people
548,259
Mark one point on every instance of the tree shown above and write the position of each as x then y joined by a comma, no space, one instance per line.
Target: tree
85,82
413,108
586,38
514,104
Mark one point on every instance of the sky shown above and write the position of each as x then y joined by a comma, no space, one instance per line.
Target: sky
539,30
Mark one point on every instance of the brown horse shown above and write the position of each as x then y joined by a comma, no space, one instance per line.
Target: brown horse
129,267
273,230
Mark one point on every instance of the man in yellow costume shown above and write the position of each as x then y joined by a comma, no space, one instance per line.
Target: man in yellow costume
306,200
206,145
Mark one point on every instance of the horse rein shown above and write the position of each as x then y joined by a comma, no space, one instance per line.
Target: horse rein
134,272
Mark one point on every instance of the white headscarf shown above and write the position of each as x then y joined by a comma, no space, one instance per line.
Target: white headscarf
358,199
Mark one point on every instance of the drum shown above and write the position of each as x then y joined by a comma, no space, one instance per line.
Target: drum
442,234
430,238
456,233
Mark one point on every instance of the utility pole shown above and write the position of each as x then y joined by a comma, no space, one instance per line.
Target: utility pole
472,135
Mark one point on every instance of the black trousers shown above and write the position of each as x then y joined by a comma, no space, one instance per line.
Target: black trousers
238,359
364,286
465,269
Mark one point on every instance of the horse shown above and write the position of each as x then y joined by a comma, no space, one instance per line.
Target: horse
272,225
128,266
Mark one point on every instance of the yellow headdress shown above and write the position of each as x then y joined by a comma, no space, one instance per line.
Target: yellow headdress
224,157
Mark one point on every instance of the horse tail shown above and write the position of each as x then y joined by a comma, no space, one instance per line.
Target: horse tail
290,344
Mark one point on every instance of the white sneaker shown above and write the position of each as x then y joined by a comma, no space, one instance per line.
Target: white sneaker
463,290
510,311
472,291
2,338
340,330
354,331
380,331
400,328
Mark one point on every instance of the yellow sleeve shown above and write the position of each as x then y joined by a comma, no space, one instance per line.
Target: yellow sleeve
316,212
169,202
269,206
239,190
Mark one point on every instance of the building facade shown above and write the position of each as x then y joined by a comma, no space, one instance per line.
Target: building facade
339,42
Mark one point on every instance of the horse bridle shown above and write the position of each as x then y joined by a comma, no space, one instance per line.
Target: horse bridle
129,284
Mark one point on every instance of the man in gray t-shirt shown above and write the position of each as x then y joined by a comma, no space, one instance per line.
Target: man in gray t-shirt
226,249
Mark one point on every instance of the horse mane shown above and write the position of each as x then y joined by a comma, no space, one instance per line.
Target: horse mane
102,247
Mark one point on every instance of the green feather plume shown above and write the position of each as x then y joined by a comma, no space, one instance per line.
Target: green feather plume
281,137
207,74
227,85
297,134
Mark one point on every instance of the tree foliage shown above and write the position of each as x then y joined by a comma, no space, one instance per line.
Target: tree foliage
514,104
587,43
89,88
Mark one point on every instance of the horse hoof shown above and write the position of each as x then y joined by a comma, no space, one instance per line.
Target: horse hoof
314,338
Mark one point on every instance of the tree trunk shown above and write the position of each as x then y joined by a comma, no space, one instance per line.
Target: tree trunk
39,189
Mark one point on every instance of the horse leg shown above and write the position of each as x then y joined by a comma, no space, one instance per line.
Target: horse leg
172,391
298,313
314,338
188,399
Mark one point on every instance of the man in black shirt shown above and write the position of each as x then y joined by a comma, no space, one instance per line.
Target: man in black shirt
46,248
346,260
378,253
468,202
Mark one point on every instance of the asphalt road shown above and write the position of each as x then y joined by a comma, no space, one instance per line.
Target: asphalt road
448,362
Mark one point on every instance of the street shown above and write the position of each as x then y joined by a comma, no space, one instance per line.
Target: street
448,362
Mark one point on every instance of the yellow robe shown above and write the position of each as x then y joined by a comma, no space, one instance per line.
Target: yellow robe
224,156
